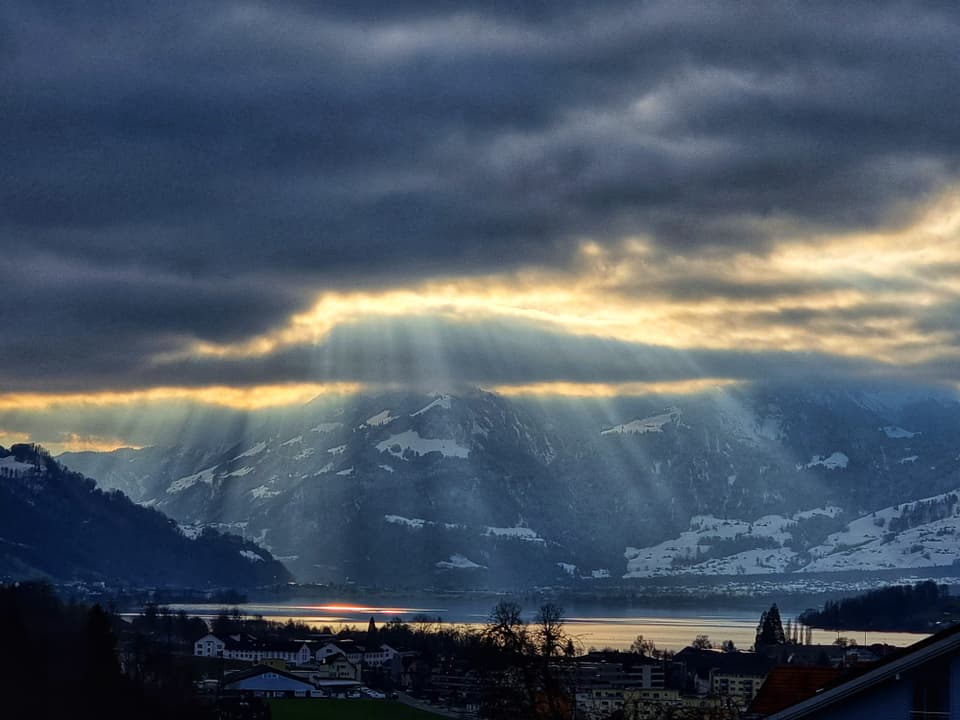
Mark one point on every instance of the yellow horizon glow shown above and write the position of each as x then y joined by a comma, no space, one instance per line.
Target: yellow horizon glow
265,397
254,397
271,396
8,438
608,390
72,442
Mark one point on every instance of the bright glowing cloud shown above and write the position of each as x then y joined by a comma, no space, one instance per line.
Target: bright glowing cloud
831,294
609,390
239,398
68,442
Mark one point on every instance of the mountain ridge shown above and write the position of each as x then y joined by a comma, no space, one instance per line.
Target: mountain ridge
478,489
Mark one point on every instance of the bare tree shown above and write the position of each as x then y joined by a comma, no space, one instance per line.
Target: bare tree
554,665
528,668
643,646
702,642
549,635
506,629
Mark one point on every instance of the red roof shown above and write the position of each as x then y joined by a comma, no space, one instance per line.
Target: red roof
787,685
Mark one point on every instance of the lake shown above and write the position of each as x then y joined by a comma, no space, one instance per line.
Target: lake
592,625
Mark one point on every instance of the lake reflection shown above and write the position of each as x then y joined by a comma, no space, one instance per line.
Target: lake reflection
592,626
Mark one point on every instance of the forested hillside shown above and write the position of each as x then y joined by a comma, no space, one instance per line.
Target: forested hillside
55,523
923,607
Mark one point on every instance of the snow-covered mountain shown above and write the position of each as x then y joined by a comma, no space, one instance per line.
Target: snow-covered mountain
381,487
467,489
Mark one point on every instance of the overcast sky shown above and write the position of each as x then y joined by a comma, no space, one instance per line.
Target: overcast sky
245,203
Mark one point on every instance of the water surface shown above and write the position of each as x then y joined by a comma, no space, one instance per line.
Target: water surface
592,626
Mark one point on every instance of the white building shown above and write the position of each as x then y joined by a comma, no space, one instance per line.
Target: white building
356,654
248,648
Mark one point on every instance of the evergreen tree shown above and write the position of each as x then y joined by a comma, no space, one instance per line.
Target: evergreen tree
373,634
770,629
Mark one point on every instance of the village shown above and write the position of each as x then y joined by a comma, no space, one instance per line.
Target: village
159,662
432,672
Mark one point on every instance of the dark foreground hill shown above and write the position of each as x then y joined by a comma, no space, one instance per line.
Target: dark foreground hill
56,523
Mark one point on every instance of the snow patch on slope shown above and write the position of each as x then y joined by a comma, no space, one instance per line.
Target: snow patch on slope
380,419
517,532
326,427
420,523
922,533
397,445
261,492
204,476
760,561
239,473
835,461
442,401
897,433
678,556
255,450
654,423
11,464
868,544
458,562
414,523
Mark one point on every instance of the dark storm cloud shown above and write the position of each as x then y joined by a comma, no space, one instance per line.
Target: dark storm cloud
943,318
71,326
197,171
422,352
849,320
437,353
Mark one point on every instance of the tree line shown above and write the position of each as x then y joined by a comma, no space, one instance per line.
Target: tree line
905,608
60,660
